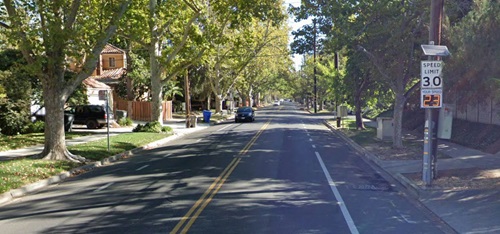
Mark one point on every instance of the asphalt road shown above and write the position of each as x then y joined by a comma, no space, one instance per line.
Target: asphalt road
284,173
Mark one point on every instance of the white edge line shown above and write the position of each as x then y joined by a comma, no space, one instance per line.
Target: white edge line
335,191
224,128
140,168
103,187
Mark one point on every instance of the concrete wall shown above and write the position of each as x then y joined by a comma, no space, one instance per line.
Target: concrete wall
488,112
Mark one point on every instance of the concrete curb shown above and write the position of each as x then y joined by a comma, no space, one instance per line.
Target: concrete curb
33,187
413,189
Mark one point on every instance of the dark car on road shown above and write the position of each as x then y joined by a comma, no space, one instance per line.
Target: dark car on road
93,116
245,113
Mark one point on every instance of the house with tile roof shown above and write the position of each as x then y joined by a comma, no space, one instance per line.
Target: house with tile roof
111,67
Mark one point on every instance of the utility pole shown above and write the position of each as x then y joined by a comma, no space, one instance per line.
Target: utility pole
187,99
315,80
435,36
432,114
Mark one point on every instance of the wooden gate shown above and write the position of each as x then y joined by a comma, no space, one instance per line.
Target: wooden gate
141,111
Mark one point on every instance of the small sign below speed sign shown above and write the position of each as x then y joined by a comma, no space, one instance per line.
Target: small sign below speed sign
431,98
431,74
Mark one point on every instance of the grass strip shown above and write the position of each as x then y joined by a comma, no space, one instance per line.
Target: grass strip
98,150
361,136
31,139
19,172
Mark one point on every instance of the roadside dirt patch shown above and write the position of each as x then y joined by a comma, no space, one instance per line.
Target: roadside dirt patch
413,149
461,179
455,179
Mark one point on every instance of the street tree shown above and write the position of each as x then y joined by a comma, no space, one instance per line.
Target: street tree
472,73
361,79
51,36
171,33
389,38
386,32
330,79
266,66
239,31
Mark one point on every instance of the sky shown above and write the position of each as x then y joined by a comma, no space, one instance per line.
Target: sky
296,58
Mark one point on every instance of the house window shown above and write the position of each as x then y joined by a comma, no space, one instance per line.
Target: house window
112,62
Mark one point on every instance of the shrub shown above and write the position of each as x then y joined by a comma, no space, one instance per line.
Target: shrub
13,117
154,126
138,128
125,121
35,127
167,129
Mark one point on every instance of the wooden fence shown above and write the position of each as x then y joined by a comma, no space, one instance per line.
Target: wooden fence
141,111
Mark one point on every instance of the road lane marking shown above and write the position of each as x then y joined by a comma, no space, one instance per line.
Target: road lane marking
314,146
103,187
199,140
209,199
336,192
224,128
310,139
212,190
140,168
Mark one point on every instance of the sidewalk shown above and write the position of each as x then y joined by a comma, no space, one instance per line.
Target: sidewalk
178,125
465,210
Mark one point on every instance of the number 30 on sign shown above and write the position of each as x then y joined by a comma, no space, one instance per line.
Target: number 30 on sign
431,98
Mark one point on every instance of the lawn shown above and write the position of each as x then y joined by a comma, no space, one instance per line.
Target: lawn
25,140
362,137
16,173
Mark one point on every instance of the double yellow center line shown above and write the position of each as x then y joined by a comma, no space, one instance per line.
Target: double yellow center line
205,199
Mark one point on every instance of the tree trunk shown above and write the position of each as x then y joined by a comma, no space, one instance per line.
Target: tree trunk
156,85
357,106
209,104
55,141
218,103
130,82
250,99
397,137
243,99
257,99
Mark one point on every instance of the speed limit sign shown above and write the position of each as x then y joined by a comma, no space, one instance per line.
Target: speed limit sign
431,74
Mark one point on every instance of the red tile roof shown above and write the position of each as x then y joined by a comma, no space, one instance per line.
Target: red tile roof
110,75
111,49
92,83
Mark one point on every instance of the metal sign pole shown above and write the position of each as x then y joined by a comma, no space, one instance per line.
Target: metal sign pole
107,113
426,167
